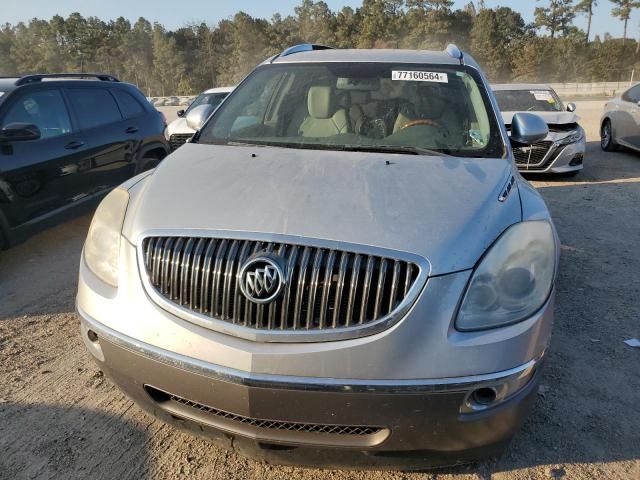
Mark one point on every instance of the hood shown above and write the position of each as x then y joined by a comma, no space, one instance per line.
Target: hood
179,125
444,209
552,118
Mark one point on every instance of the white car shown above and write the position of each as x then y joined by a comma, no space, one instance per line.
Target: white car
620,120
562,151
178,132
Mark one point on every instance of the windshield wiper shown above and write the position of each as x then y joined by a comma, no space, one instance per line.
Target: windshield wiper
402,149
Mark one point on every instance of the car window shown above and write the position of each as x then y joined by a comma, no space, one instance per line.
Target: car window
632,95
213,99
129,106
93,107
533,100
45,109
343,106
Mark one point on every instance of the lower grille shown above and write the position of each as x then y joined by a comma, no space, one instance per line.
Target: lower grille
326,290
353,430
533,156
178,139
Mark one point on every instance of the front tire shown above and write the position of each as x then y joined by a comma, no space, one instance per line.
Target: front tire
607,142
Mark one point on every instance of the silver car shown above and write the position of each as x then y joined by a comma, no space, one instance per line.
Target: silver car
620,122
562,151
344,267
179,132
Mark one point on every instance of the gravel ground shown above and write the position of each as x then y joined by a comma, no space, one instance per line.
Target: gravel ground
60,418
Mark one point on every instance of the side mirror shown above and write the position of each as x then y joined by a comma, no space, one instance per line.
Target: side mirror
19,132
528,128
571,107
180,113
199,115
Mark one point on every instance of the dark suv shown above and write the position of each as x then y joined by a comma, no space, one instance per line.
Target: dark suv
65,141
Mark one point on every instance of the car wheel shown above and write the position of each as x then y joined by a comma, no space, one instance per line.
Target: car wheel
607,143
150,160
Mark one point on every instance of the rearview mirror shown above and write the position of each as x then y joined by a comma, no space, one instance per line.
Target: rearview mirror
199,115
19,132
528,128
571,107
180,113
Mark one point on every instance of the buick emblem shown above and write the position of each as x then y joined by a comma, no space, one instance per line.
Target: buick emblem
261,279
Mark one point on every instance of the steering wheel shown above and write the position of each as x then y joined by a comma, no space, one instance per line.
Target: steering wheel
421,121
424,121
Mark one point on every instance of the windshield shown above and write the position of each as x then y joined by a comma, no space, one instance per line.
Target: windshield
528,101
213,99
385,107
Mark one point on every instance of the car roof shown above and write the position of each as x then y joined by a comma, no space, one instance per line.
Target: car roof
8,83
220,90
520,86
339,55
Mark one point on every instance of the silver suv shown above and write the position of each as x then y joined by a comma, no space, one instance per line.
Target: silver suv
343,267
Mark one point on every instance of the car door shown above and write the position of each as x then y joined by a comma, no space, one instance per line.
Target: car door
38,177
627,122
109,145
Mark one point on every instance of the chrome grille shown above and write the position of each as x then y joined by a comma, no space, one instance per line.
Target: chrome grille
326,289
178,139
533,155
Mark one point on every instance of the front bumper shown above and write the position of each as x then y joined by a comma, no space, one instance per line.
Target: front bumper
560,158
316,422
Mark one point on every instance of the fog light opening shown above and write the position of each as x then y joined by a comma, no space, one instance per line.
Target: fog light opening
92,336
484,396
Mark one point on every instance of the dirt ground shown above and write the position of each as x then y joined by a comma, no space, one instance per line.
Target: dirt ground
60,418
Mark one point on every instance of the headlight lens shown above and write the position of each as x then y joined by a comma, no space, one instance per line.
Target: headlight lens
513,280
574,137
102,247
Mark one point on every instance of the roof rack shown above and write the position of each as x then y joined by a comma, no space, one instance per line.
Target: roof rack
303,47
454,52
40,76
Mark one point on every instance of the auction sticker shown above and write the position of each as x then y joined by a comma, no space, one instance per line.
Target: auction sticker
542,95
418,76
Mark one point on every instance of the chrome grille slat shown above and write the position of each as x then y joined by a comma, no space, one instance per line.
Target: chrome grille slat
382,271
174,267
342,272
306,254
196,278
313,288
355,272
366,286
394,285
217,272
206,276
186,271
293,257
229,274
326,289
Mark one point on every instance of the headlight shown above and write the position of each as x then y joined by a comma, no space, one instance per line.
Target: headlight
573,137
167,137
102,247
513,280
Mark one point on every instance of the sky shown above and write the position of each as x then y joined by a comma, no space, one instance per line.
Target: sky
168,12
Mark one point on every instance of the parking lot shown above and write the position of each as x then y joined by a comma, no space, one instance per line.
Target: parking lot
60,418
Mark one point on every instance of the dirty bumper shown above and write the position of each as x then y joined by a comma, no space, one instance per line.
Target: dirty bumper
318,422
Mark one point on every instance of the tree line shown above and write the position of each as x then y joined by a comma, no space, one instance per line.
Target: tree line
198,56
